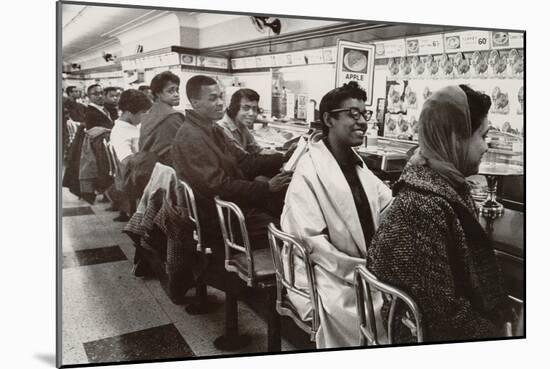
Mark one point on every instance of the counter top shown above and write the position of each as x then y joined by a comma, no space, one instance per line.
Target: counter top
507,232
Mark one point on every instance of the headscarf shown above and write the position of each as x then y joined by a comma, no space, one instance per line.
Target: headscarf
444,127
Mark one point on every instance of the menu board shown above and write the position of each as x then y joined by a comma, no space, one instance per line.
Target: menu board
390,49
355,62
298,58
516,40
466,41
212,62
424,45
506,40
329,55
186,59
314,56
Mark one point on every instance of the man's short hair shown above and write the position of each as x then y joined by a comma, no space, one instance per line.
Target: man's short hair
134,101
161,80
106,90
143,88
91,87
194,85
70,89
334,98
235,104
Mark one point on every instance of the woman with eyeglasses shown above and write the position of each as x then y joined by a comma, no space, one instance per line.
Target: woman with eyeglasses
333,206
239,117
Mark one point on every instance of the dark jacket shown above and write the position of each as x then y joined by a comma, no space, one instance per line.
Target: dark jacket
96,118
76,111
213,165
113,112
431,245
158,128
70,177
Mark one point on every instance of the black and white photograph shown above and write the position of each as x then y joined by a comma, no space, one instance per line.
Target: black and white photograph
226,189
201,184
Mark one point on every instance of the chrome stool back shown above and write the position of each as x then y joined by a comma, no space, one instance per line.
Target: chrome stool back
254,267
287,250
202,305
366,285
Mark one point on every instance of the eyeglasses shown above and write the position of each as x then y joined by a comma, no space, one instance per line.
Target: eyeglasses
354,113
247,108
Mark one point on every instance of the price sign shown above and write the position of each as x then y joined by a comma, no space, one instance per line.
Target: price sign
429,45
516,40
390,49
314,56
467,41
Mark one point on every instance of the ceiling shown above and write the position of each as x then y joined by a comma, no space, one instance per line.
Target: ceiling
87,27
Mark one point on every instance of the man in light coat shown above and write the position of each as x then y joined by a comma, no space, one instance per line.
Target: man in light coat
333,206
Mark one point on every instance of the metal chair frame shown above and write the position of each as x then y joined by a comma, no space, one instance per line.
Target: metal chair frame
278,240
193,216
227,212
365,282
229,235
111,157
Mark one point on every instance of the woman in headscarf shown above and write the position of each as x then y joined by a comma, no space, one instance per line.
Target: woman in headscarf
430,243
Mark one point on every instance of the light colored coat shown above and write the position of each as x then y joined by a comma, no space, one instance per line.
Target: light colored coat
320,210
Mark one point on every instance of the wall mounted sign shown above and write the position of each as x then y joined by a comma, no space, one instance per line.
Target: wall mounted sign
355,62
390,49
467,41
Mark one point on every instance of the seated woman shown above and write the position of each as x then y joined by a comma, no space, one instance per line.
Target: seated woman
161,123
125,134
430,243
333,205
124,138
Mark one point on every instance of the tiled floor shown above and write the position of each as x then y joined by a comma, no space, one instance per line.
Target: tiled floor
109,315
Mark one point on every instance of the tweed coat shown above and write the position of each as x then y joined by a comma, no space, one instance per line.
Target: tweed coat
431,245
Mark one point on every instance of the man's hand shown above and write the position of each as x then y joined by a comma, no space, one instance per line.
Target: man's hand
280,181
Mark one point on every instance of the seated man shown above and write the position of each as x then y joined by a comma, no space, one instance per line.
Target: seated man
159,126
96,114
239,117
333,206
214,166
111,95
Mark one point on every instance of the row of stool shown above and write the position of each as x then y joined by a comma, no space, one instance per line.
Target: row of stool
271,272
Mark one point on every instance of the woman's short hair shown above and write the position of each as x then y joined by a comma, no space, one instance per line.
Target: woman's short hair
194,85
161,80
334,98
479,104
134,101
235,104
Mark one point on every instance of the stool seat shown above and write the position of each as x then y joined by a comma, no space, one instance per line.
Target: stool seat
263,264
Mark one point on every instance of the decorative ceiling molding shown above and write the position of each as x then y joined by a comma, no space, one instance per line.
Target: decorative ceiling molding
296,37
140,21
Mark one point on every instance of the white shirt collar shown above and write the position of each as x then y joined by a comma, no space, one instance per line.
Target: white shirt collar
126,124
